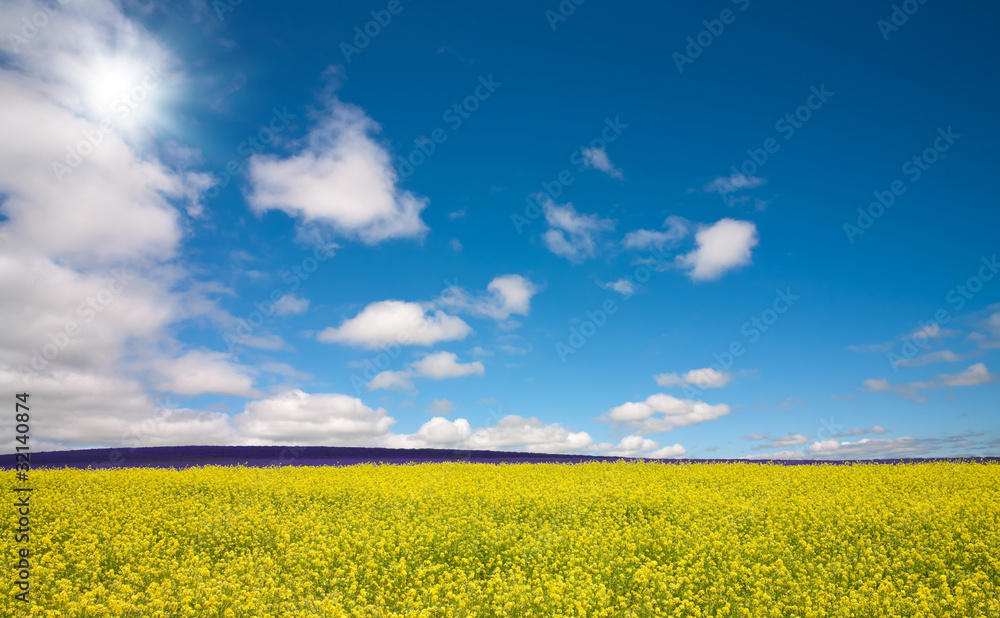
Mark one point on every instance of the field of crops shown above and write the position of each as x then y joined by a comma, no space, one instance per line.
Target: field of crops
452,539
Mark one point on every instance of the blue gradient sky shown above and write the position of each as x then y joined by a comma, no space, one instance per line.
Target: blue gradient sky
507,224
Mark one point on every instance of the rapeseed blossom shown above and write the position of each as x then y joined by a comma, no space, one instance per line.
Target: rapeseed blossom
595,539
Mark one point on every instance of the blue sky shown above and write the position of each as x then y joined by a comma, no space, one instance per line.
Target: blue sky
725,229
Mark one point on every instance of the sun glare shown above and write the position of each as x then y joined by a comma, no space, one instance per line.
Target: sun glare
122,91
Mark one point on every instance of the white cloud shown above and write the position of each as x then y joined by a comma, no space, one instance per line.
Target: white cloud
597,158
639,446
572,235
877,385
941,356
289,304
666,452
629,446
456,245
677,228
296,417
974,375
284,369
734,182
435,366
441,365
858,431
788,440
79,411
509,433
528,434
442,407
391,380
86,190
724,246
660,413
506,295
396,322
199,372
703,378
867,447
342,179
622,286
931,331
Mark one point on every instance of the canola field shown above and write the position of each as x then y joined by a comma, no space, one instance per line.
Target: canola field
453,539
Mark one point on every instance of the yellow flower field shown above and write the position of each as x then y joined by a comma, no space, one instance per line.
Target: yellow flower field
618,539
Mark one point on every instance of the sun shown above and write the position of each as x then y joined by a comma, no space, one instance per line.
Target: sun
122,91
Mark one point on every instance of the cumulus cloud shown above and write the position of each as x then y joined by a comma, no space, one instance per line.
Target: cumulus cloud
342,179
597,158
289,304
866,448
435,366
93,218
941,356
511,432
859,431
391,380
666,452
723,246
396,322
702,378
441,365
660,413
629,446
676,229
442,407
572,235
791,439
734,182
530,435
974,375
622,286
199,372
505,295
639,446
296,417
